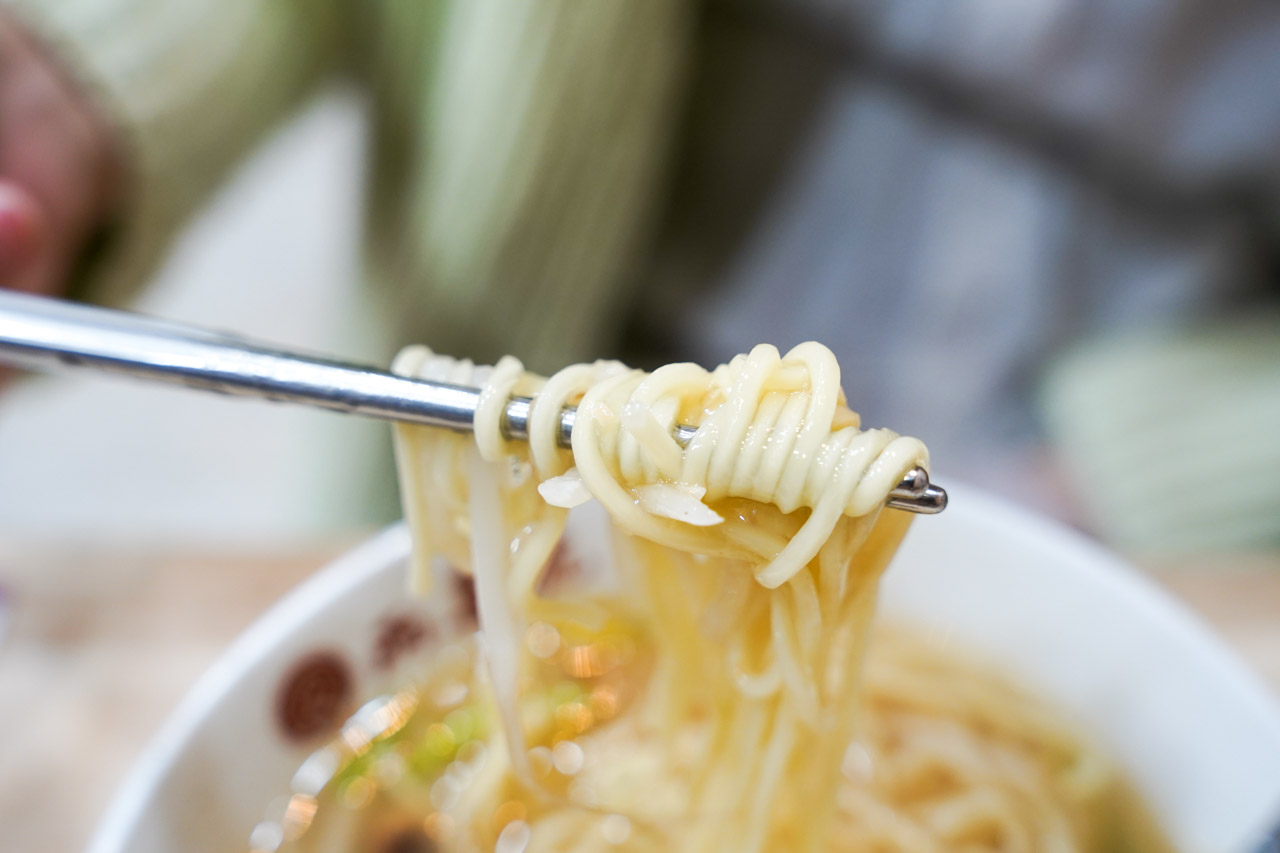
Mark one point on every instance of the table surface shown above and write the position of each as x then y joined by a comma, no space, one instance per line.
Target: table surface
97,644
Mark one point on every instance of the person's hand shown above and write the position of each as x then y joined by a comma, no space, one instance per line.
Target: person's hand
59,171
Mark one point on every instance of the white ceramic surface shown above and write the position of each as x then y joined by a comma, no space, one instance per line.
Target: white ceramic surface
1198,734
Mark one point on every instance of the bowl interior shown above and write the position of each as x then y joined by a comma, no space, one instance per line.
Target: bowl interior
1199,736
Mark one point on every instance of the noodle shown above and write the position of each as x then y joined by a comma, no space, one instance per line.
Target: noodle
711,696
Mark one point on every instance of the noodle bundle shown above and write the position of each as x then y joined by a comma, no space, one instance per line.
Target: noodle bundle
709,693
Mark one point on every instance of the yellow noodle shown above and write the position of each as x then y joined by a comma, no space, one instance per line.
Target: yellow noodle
748,562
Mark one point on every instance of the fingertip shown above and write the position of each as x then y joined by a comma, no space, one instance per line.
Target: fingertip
21,232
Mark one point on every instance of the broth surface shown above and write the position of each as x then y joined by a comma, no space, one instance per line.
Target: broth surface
948,756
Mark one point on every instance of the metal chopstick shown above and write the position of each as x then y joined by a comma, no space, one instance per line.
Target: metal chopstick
51,335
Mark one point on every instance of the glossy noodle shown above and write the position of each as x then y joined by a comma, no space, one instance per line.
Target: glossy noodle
712,691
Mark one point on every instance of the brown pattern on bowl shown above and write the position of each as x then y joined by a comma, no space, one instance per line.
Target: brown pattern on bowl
315,696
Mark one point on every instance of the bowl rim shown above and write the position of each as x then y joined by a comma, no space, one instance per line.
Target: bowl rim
354,568
1137,588
257,643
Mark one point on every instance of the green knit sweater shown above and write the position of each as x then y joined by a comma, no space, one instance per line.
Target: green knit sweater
516,143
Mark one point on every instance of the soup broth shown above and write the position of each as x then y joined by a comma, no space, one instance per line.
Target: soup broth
949,755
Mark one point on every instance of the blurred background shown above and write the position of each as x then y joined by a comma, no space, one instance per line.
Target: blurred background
274,257
1042,235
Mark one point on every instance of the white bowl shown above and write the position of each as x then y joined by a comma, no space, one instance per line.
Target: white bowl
1198,734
